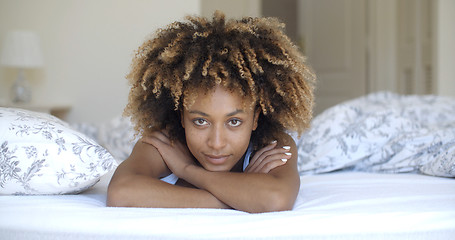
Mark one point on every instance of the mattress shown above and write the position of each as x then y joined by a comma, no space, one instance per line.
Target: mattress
340,205
365,169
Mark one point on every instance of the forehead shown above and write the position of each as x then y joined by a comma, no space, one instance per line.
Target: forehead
217,98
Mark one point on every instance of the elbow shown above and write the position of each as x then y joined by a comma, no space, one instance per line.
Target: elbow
279,204
280,198
114,201
117,197
276,202
282,207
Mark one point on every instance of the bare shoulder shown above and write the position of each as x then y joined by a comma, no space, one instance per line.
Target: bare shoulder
285,139
143,160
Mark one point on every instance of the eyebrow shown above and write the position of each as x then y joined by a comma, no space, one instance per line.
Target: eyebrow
206,115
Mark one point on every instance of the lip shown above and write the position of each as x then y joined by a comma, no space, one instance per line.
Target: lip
216,159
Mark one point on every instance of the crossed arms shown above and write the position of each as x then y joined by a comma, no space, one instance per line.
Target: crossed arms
268,183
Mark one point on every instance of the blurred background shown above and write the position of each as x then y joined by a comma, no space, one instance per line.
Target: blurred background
355,46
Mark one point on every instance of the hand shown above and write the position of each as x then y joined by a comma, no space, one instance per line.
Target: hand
176,155
268,158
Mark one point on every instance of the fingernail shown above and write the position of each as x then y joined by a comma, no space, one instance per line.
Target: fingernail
273,142
287,147
284,160
288,153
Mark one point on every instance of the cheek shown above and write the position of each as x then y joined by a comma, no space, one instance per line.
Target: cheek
194,140
241,141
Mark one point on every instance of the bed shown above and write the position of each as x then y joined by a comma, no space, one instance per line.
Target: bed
377,167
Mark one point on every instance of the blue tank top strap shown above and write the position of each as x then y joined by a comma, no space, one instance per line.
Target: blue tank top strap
172,178
246,160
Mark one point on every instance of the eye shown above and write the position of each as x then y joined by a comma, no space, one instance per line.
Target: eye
200,122
234,122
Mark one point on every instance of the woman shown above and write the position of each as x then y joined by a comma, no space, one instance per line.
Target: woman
213,101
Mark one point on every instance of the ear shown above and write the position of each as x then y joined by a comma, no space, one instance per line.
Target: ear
255,119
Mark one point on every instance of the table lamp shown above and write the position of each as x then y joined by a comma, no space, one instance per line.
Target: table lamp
21,49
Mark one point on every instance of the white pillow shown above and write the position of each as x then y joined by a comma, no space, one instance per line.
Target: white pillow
117,135
40,154
382,132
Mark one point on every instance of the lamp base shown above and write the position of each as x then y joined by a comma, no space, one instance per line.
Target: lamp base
21,91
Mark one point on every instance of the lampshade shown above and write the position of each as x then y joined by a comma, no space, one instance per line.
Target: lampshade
21,49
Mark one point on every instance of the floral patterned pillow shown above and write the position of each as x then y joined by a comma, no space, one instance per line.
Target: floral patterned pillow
382,132
40,154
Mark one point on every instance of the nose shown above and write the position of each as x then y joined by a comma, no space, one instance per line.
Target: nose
217,138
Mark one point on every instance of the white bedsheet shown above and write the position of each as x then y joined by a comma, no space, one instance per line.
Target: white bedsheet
344,205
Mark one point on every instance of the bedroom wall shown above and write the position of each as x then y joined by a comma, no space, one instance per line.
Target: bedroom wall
444,49
231,8
87,47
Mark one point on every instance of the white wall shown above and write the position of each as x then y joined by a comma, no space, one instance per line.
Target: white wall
382,45
444,49
87,47
231,8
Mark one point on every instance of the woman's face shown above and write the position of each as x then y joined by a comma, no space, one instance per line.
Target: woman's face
218,128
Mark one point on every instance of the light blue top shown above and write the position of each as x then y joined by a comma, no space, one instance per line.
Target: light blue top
172,179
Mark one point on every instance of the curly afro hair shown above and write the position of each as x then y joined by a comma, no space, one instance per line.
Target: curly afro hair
251,56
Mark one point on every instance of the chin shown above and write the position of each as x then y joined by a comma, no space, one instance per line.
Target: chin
217,168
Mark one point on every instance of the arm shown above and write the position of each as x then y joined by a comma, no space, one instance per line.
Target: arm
251,192
136,183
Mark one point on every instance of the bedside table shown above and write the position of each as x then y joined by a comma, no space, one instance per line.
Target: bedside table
60,111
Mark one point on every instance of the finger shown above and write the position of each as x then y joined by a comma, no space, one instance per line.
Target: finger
266,168
261,151
275,155
157,135
259,158
162,135
269,150
155,142
283,157
264,152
